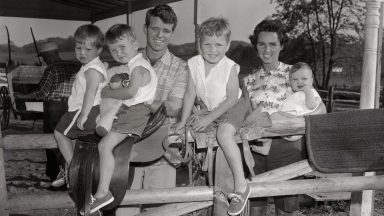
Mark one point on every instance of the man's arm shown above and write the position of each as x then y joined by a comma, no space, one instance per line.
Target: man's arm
45,84
174,102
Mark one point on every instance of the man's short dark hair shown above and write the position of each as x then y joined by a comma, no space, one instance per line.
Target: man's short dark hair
164,12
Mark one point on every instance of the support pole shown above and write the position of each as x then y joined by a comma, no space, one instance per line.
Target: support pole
196,23
368,83
379,54
129,11
362,203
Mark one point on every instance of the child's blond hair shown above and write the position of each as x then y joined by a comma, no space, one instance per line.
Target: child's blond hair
215,26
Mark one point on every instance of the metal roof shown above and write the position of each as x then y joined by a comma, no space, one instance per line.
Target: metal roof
79,10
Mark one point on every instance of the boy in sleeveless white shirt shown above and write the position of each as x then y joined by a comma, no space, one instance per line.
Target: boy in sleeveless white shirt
83,104
214,80
136,98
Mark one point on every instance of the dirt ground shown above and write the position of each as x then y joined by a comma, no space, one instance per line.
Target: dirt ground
25,174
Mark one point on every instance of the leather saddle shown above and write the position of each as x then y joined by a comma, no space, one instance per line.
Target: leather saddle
83,174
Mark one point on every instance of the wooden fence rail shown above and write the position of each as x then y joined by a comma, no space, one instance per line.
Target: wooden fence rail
339,100
271,183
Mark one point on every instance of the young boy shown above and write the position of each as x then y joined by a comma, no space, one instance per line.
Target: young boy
214,79
83,104
303,101
133,115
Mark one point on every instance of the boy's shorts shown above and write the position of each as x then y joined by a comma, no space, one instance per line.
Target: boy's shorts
234,116
131,120
67,124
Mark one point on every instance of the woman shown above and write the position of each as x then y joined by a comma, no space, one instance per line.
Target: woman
268,87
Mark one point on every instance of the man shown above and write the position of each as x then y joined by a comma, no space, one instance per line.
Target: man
172,74
54,89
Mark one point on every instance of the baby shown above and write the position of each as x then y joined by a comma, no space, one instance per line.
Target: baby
303,101
110,106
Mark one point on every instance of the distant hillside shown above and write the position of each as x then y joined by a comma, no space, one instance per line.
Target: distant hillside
26,55
241,52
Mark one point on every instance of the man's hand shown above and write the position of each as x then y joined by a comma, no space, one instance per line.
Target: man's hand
179,126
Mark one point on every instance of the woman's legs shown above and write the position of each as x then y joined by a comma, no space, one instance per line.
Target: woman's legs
225,136
107,161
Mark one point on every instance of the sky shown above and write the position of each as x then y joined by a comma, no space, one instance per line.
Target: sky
242,16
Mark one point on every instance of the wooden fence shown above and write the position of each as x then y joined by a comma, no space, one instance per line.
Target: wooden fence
184,199
337,100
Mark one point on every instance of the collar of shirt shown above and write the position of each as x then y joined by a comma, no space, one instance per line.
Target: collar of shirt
277,70
93,61
165,59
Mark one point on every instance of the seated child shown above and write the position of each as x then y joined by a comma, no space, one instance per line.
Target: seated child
83,104
134,112
303,101
110,106
213,78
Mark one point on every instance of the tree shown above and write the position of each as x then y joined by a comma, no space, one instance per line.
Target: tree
319,28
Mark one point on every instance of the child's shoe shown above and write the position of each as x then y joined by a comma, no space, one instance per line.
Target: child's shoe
97,204
238,201
60,179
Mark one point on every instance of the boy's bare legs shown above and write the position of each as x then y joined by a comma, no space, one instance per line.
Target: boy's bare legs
107,161
225,136
65,145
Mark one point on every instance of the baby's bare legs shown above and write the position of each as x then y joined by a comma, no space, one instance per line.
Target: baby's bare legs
225,136
107,161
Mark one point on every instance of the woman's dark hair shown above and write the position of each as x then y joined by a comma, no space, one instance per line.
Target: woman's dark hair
269,25
164,12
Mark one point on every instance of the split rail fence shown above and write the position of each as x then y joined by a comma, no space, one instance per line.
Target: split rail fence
183,200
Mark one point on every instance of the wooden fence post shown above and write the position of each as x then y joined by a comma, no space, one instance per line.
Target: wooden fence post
363,204
3,183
